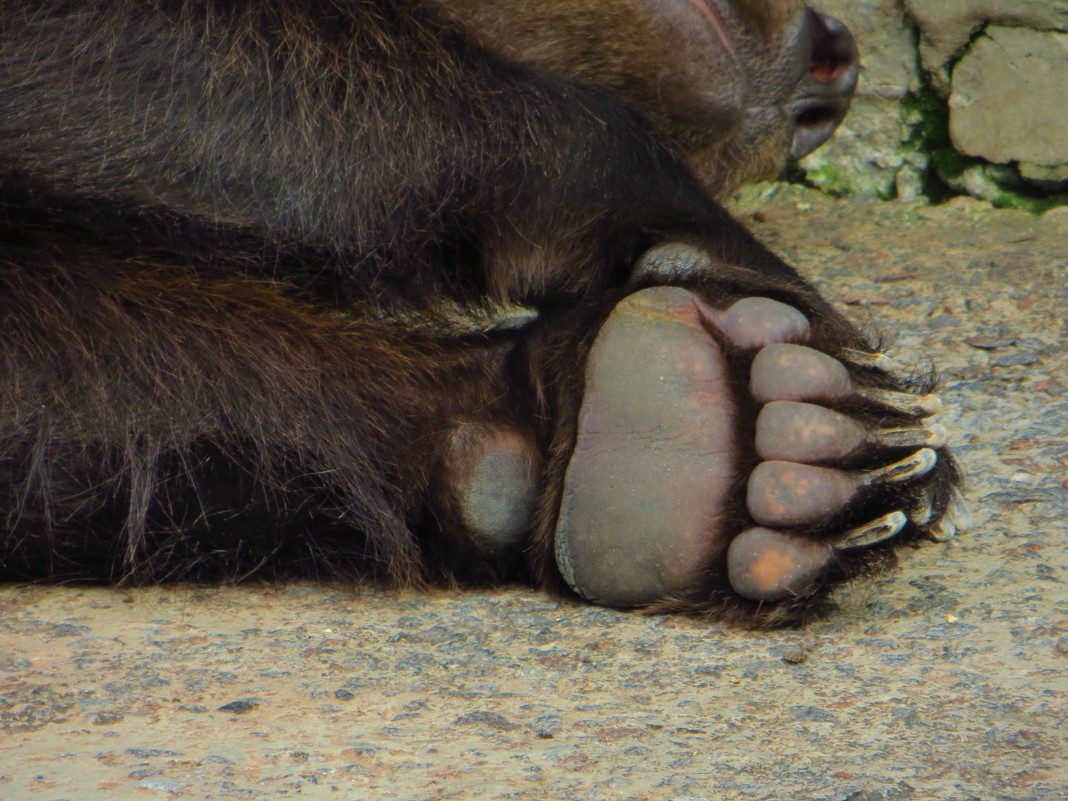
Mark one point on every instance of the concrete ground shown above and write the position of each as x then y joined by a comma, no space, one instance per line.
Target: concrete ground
945,680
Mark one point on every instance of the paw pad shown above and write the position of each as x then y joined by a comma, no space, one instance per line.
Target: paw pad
647,512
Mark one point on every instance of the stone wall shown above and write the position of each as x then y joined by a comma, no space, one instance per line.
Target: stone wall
956,97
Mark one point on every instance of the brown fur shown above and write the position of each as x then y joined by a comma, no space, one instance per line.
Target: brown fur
251,255
719,101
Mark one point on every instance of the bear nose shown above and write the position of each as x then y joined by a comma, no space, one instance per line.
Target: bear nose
826,88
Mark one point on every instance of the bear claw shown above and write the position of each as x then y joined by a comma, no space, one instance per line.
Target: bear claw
646,512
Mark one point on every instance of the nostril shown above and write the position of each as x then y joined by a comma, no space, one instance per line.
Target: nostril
834,51
827,71
826,85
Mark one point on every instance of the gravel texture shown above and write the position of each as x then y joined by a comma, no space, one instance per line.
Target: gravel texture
945,680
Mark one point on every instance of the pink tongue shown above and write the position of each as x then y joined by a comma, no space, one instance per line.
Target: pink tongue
652,461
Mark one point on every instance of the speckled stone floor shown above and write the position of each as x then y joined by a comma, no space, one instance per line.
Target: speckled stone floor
945,680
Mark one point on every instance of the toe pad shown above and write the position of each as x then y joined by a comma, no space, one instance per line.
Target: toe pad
767,565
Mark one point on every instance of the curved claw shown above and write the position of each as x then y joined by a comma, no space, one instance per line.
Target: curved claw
865,358
942,530
957,518
920,405
880,530
913,466
911,437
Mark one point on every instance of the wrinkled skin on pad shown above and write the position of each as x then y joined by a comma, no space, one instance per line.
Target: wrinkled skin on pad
653,461
647,510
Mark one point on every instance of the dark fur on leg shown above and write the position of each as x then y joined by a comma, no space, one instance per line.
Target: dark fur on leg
156,425
241,250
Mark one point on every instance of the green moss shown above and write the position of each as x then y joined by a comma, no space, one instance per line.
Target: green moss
948,169
944,172
830,179
827,179
1034,203
927,117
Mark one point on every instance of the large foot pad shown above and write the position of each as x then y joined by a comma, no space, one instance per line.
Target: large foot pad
675,489
653,454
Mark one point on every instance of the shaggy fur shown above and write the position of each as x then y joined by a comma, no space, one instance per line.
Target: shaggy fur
251,256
